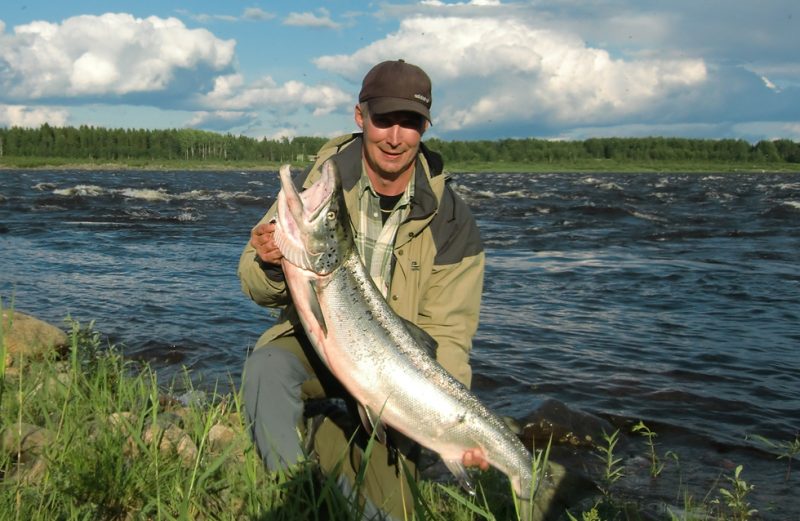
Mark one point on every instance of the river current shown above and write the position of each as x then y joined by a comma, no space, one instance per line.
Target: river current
668,298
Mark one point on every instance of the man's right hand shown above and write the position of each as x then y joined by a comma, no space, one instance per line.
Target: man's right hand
262,238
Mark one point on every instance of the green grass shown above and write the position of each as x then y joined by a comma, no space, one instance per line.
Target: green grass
101,460
108,424
577,165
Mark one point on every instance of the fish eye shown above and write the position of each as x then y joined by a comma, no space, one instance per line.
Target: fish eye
331,216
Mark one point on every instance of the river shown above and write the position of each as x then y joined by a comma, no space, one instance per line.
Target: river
668,298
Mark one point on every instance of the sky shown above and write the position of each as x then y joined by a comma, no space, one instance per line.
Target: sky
548,69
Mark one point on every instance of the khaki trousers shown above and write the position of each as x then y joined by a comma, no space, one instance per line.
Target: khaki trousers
279,379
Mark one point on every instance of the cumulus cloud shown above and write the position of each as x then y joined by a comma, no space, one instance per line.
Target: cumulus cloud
221,120
109,56
233,94
321,20
257,14
251,14
24,116
439,3
505,69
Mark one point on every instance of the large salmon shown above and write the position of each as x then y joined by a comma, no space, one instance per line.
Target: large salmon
381,359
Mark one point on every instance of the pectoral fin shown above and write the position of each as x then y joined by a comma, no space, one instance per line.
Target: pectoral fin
457,468
316,310
372,423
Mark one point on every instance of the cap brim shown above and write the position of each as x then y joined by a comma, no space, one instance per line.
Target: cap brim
386,105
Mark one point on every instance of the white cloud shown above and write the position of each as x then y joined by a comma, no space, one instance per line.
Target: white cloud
231,93
502,69
110,55
252,14
221,120
257,14
280,133
439,3
31,117
323,20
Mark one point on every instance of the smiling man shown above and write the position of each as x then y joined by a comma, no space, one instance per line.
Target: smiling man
422,249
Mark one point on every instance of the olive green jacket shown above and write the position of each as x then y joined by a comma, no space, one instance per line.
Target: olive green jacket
437,279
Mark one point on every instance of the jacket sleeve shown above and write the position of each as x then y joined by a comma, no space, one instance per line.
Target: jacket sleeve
450,311
269,291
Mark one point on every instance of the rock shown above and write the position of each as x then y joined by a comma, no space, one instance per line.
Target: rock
25,444
565,425
25,439
26,337
171,439
29,472
124,422
221,437
559,490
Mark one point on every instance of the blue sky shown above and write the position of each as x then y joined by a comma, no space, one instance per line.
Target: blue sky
563,69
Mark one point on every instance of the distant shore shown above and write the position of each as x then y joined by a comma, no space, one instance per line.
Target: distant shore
577,166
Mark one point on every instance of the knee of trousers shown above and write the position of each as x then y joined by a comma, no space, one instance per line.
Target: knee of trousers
273,405
269,369
272,383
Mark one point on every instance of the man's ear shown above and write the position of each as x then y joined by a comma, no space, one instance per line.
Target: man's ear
358,116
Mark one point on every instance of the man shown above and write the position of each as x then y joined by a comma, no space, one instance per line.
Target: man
422,248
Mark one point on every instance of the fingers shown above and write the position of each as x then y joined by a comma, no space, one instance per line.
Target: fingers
475,458
262,238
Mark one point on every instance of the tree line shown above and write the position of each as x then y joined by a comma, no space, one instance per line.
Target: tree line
98,143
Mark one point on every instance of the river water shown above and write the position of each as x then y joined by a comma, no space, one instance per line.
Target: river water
668,298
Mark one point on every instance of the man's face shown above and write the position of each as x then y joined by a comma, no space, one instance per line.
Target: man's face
391,141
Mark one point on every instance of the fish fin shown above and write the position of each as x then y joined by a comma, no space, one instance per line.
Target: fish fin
457,468
423,338
372,423
313,304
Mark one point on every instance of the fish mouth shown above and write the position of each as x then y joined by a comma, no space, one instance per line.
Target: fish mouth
306,207
299,214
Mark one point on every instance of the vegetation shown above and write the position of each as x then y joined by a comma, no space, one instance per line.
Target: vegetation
188,148
93,437
96,437
92,144
788,450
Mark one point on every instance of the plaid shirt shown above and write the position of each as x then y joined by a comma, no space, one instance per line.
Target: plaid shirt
375,240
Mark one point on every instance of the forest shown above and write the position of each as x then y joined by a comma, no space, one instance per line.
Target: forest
98,144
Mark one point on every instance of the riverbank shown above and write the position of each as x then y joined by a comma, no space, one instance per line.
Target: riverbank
90,435
577,166
85,433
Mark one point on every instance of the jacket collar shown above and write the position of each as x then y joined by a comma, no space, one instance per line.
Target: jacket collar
424,201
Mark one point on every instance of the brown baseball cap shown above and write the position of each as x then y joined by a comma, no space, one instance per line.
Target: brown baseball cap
393,86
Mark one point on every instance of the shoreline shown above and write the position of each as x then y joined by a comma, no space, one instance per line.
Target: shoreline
578,167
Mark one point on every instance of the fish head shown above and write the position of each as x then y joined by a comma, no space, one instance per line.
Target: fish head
313,228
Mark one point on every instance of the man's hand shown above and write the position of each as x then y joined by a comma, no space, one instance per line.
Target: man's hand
475,458
262,238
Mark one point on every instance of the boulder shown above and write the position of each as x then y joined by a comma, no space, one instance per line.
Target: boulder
26,337
566,426
171,439
25,445
25,440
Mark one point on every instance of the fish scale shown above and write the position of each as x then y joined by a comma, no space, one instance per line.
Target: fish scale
382,360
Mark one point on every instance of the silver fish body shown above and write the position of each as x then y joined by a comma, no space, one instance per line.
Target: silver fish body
382,360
